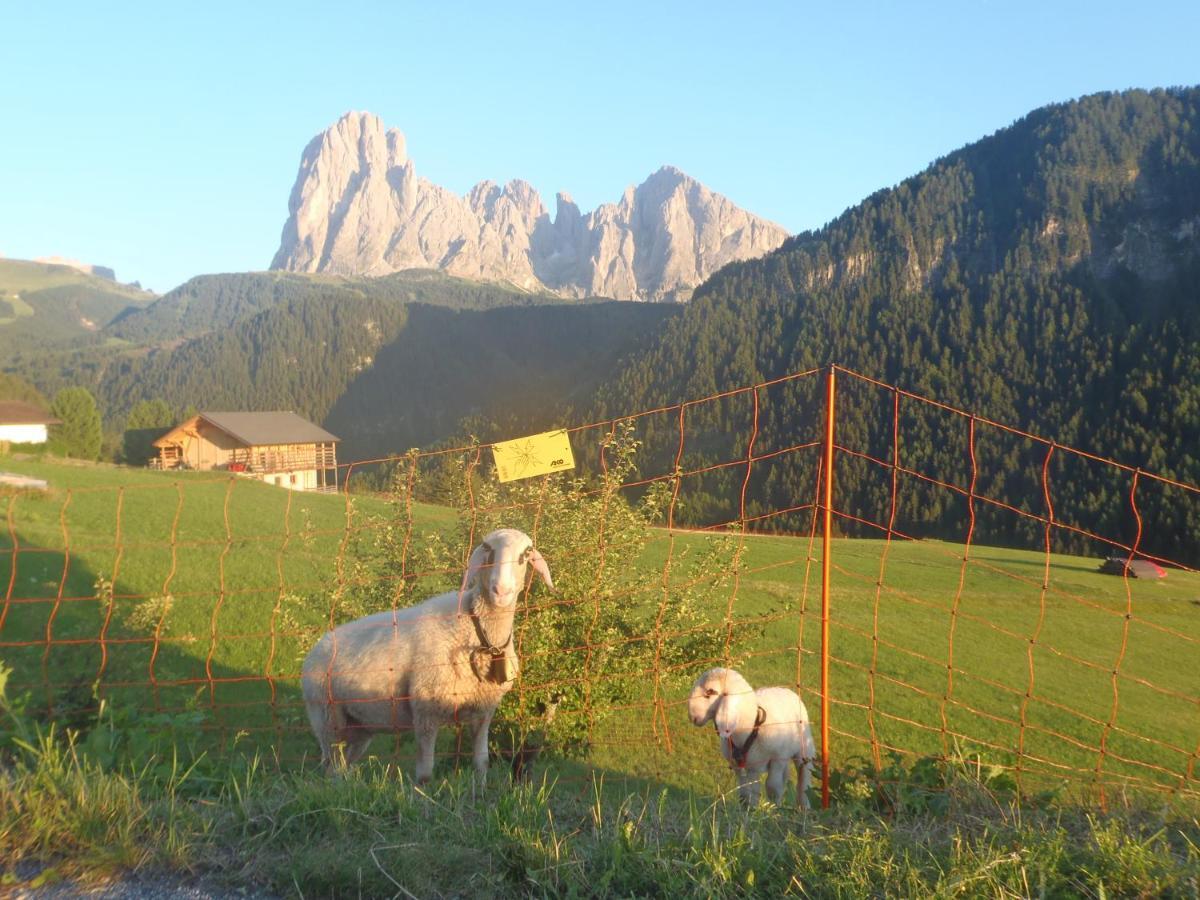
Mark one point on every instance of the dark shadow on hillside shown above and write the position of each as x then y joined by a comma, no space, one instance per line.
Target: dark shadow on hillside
511,367
1056,564
74,640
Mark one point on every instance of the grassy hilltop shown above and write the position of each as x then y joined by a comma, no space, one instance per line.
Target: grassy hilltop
43,304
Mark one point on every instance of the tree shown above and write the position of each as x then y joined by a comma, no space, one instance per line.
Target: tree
80,433
148,421
14,387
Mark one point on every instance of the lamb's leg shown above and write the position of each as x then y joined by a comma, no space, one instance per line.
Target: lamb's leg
749,785
355,745
326,725
776,779
426,741
480,754
803,777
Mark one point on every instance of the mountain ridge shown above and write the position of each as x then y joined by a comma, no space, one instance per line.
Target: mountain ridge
358,208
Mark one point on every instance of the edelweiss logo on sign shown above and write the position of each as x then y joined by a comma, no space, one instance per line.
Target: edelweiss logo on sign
538,454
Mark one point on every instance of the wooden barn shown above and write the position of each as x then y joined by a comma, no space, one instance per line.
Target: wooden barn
279,448
23,423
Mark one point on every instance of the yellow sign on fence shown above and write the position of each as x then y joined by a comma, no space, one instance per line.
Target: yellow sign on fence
538,454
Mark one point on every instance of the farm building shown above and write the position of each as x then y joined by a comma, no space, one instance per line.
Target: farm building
276,447
1136,568
23,423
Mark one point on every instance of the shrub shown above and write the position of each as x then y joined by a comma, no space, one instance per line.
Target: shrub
610,628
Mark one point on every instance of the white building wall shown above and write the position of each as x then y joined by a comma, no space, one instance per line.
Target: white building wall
23,434
304,480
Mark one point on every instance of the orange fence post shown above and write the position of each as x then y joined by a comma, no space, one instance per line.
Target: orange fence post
826,559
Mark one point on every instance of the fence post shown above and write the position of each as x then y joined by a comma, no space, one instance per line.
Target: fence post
826,558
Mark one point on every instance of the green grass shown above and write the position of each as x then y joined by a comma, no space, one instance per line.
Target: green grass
374,834
18,308
252,572
191,766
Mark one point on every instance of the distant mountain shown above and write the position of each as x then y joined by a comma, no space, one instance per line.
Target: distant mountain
358,208
44,304
86,268
1047,276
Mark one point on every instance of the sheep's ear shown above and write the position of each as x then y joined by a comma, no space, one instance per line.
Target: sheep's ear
474,565
539,565
727,712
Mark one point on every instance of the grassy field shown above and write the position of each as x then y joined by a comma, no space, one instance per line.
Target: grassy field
177,591
232,580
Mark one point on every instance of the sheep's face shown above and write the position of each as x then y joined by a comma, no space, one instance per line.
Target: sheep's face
500,564
715,697
703,702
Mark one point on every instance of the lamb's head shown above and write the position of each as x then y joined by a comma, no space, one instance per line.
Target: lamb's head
499,564
717,695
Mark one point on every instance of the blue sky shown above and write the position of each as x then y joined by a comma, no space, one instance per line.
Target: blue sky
163,139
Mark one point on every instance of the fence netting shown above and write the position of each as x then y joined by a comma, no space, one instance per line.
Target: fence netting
966,611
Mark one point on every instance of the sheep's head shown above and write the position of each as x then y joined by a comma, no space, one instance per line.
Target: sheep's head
716,696
499,565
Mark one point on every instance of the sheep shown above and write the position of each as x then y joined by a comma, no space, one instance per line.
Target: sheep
759,730
447,660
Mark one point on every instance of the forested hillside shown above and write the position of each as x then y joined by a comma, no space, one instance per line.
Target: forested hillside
210,302
284,341
298,355
503,370
386,375
1047,276
43,304
258,340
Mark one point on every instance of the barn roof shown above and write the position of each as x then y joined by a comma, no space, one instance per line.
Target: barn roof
13,412
1137,568
259,429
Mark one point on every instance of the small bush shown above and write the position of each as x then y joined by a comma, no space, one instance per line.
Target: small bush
609,628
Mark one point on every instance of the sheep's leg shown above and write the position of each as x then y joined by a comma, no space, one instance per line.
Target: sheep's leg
803,777
480,755
328,726
426,741
326,742
776,779
355,745
749,786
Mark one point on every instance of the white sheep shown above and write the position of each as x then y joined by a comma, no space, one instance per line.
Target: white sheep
758,730
445,661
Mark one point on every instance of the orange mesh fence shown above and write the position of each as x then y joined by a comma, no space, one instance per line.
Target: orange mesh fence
955,610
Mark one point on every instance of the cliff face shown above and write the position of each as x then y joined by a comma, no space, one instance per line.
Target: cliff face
359,208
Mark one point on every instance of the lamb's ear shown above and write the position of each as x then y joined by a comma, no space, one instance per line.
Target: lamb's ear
477,561
727,713
539,565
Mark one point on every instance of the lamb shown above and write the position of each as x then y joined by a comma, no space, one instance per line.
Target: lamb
447,660
759,730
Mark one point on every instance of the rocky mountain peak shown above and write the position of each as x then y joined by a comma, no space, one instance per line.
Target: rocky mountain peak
359,208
